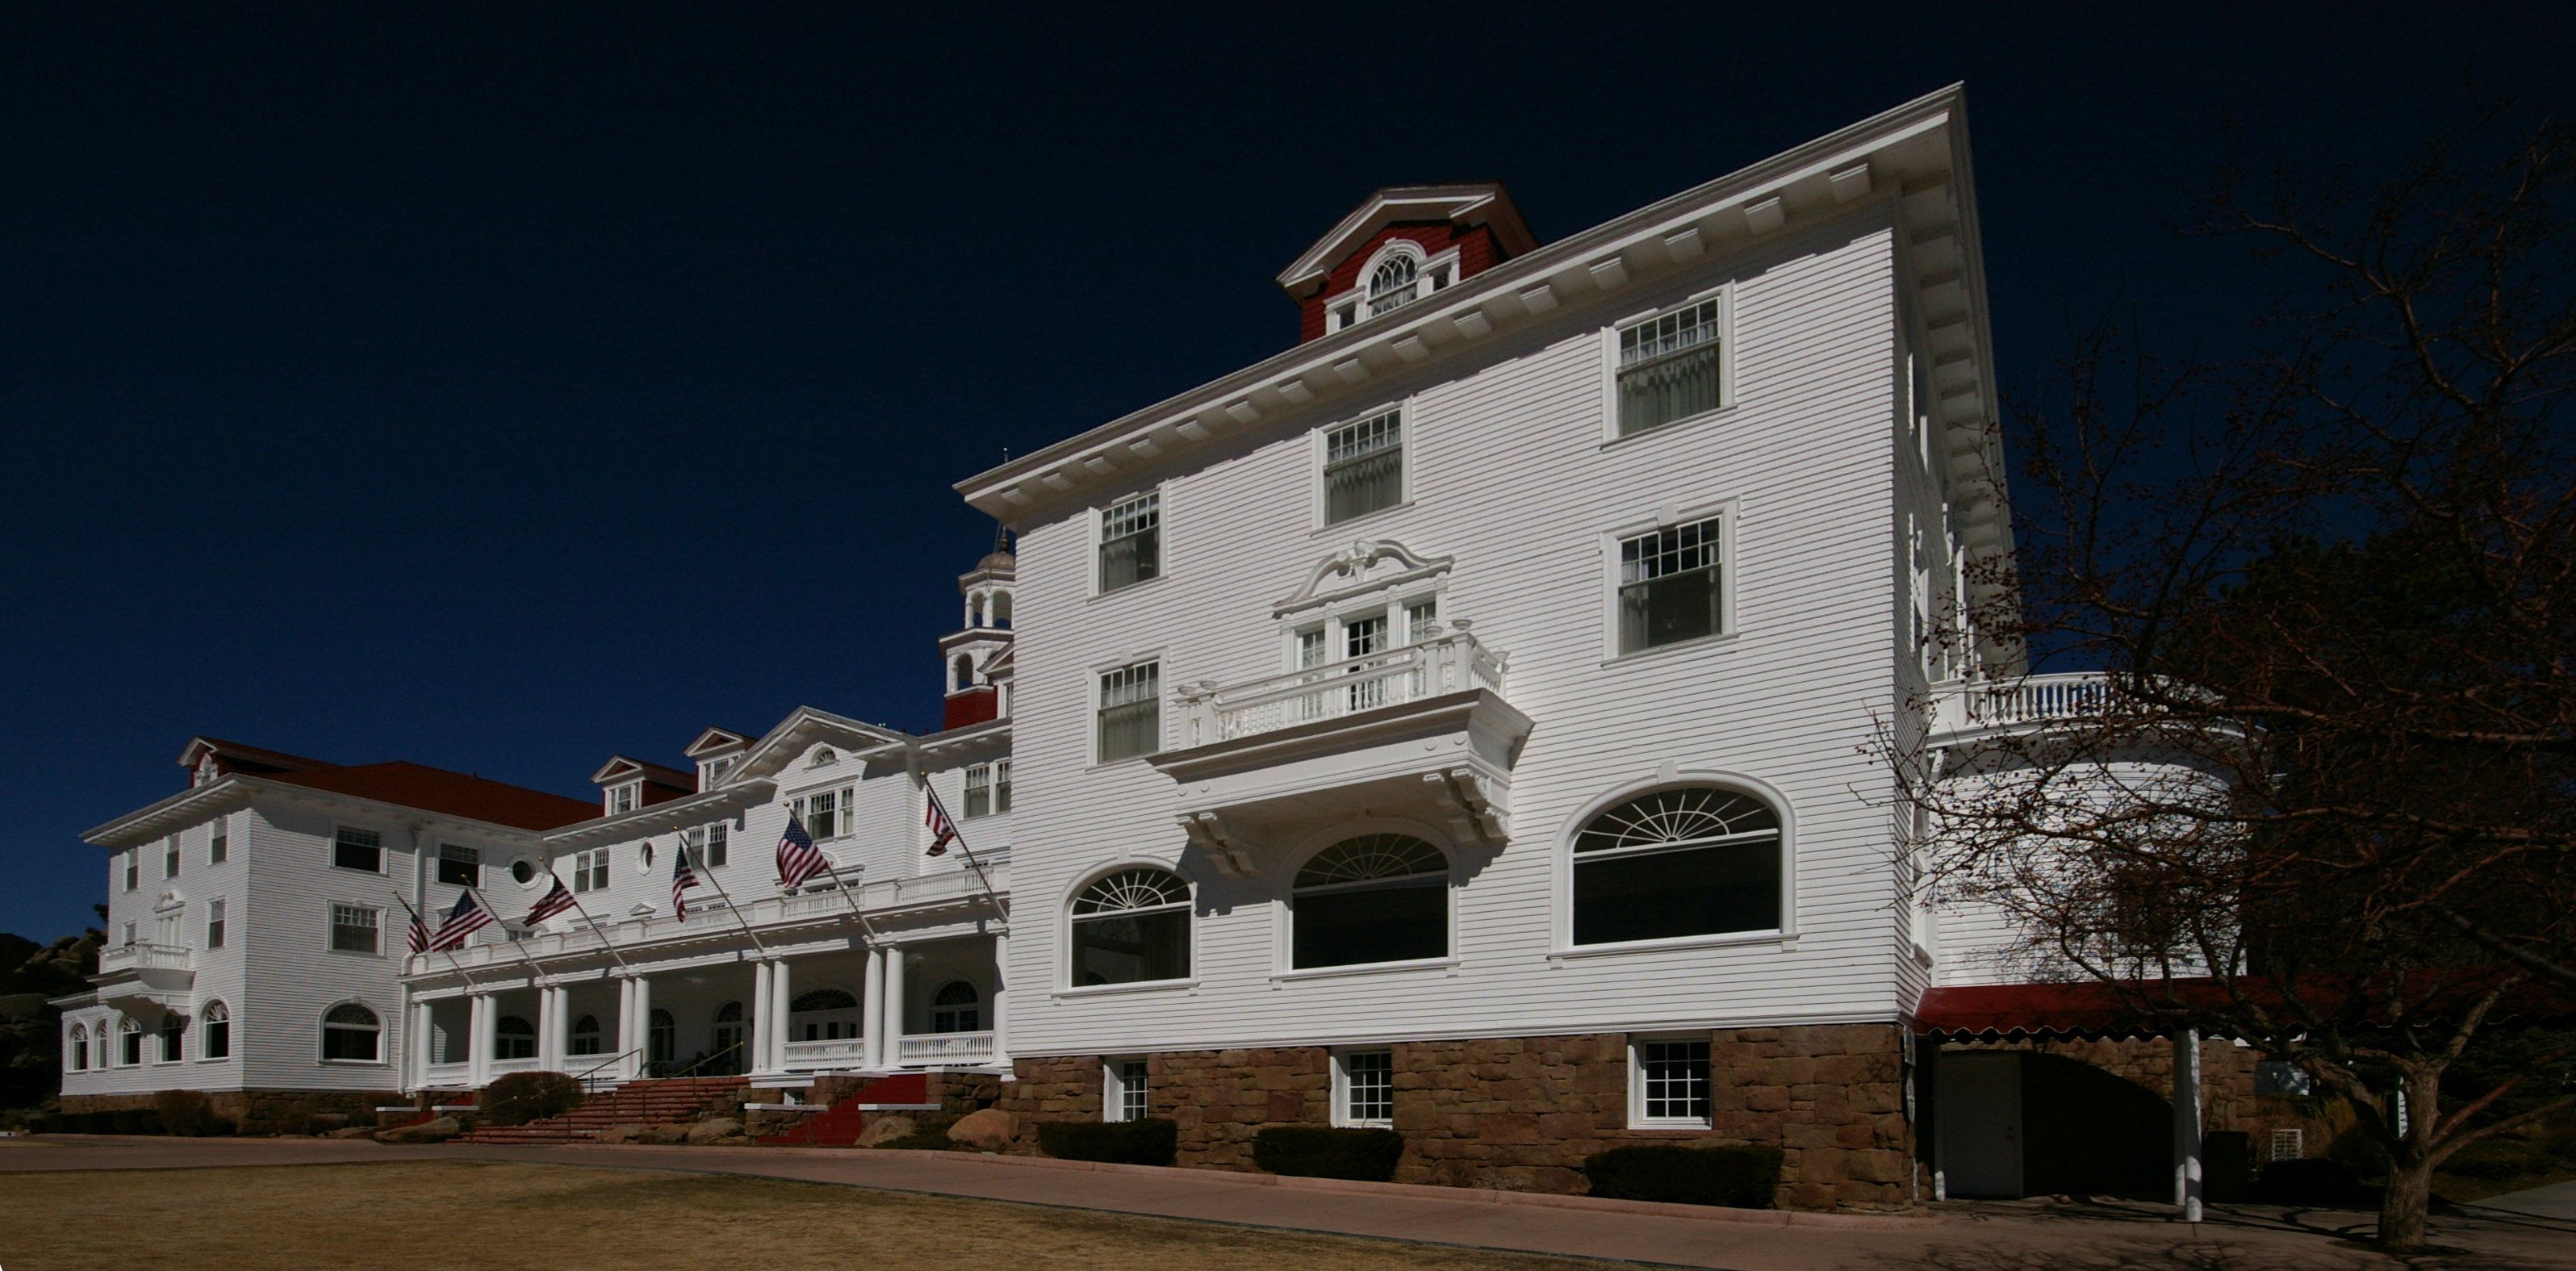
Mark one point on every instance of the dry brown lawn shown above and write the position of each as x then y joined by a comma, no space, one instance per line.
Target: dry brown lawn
449,1215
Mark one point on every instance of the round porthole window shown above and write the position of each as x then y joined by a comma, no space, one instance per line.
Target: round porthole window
523,871
644,855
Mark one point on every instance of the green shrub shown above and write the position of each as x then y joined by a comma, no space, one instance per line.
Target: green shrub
2314,1180
1738,1176
1154,1141
1315,1151
189,1113
520,1097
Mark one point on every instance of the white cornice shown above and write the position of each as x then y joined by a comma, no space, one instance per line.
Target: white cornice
236,791
1714,217
668,815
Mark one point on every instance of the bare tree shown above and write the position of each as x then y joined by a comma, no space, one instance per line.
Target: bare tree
2324,798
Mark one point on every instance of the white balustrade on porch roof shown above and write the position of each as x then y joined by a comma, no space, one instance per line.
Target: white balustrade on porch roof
817,903
836,1052
1450,663
2030,700
447,1074
142,957
939,1048
527,1063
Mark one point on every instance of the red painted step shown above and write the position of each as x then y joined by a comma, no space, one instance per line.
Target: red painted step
839,1125
649,1102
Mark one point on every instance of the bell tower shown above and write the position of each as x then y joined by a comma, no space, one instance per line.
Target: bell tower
977,656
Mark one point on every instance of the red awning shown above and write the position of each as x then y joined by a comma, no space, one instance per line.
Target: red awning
2088,1009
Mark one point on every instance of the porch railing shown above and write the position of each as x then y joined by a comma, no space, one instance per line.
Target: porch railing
142,957
1450,662
944,1048
835,1052
526,1063
447,1074
2031,700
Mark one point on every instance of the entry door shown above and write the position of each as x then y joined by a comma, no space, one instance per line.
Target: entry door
1980,1123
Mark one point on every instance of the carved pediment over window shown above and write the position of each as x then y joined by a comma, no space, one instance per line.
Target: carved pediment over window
1365,566
169,900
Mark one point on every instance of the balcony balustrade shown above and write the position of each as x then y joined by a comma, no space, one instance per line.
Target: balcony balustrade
944,1048
152,972
1448,663
143,957
528,1063
449,1075
1962,709
836,1052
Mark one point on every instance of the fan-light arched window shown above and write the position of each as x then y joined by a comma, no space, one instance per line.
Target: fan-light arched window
661,1036
351,1032
824,1000
585,1035
1130,927
80,1048
215,1032
956,1008
1393,284
825,1014
129,1042
1685,861
1375,898
513,1037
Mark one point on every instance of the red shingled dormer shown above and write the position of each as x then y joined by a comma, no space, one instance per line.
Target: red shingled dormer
1405,243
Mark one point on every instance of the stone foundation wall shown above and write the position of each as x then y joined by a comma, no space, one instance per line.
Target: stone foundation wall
1522,1113
256,1111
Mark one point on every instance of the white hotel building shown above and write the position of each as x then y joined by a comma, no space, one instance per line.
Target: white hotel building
1457,721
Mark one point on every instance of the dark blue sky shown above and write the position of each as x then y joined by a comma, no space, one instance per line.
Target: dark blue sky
503,386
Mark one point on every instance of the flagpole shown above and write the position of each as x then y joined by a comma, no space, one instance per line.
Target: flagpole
698,868
595,929
526,958
839,884
969,853
432,937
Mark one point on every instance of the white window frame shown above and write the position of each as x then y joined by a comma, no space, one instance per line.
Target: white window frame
338,841
584,865
169,1045
1452,878
975,795
1427,268
133,868
219,844
1001,787
1321,448
128,1026
845,810
1674,774
1115,1088
1637,1118
216,931
1065,919
622,798
1724,295
1729,513
1098,694
1160,493
76,1048
697,839
322,1029
473,859
170,857
1343,1112
205,1019
331,928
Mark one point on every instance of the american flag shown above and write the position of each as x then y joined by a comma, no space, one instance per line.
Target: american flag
942,830
556,900
683,877
462,921
798,858
419,935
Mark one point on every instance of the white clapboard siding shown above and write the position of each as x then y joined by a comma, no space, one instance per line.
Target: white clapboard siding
295,976
1510,476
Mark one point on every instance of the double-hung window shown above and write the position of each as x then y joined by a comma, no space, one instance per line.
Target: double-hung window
1129,1096
1364,467
133,868
1367,1088
1131,542
708,845
353,929
460,866
590,870
1001,785
170,857
215,923
1670,589
358,849
1669,1082
622,798
1672,366
979,790
826,814
220,847
1131,711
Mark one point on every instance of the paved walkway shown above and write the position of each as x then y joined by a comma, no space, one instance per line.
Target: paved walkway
2018,1237
2557,1200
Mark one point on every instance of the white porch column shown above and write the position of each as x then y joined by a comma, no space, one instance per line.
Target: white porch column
643,1023
422,1056
872,997
480,1031
623,1031
894,978
1002,999
2186,1125
755,1054
558,1035
779,1002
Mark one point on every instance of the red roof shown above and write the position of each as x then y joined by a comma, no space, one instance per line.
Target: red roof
455,794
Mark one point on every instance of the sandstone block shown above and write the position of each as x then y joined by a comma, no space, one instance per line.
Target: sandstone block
891,1126
435,1130
984,1131
712,1129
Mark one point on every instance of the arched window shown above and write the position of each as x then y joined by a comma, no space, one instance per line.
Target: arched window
962,673
1375,898
350,1032
1687,861
585,1035
827,1015
129,1042
215,1032
513,1037
1130,927
661,1036
80,1048
1393,284
174,1035
955,1008
724,1044
999,612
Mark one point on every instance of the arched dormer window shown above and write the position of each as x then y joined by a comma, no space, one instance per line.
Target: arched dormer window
1692,860
1130,927
1375,898
956,1008
1395,283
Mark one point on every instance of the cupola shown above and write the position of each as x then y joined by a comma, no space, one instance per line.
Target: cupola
976,656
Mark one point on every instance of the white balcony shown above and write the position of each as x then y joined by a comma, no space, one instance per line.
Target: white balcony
157,972
1421,732
827,1054
930,1049
1962,710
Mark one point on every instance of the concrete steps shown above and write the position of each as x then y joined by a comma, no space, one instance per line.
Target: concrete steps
670,1101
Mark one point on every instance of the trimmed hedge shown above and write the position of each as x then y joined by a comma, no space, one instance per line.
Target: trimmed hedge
520,1097
1735,1175
1153,1141
1316,1151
